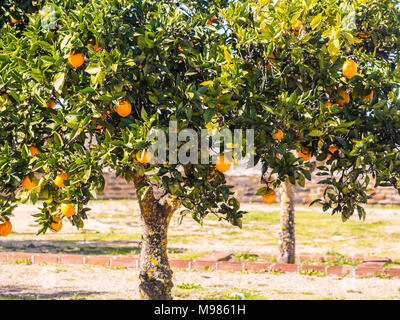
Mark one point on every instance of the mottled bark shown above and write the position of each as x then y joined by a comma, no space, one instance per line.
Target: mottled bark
155,272
286,234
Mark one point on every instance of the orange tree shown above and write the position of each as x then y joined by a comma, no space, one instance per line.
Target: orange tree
321,93
81,85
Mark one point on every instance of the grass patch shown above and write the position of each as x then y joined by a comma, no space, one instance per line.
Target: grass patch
188,286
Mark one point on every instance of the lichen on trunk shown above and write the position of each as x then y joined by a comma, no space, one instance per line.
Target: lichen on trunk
286,233
156,213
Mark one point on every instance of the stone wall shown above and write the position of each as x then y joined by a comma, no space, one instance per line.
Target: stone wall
246,182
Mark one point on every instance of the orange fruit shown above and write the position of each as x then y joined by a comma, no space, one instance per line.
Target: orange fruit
223,164
56,225
13,20
278,135
76,59
97,48
328,104
363,35
28,184
67,209
180,48
296,28
33,150
144,157
332,150
59,182
5,228
210,20
269,196
304,154
51,104
344,98
369,96
349,69
271,57
124,108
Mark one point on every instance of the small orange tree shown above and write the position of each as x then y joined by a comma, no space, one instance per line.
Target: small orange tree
82,83
320,90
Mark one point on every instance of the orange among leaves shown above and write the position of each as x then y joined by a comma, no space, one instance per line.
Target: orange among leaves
143,157
343,98
33,150
76,59
56,225
269,196
296,28
303,153
278,135
59,180
13,20
349,69
5,228
97,48
67,209
210,20
28,184
369,96
223,164
328,104
124,108
331,151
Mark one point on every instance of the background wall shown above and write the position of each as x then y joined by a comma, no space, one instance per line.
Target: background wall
246,182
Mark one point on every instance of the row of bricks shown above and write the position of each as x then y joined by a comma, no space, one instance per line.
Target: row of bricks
133,262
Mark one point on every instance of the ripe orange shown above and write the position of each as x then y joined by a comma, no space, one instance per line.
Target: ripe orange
210,20
33,150
370,95
51,104
56,225
269,196
345,98
13,20
349,69
76,59
296,28
271,57
278,135
328,104
332,150
28,184
144,157
67,209
97,48
180,48
59,180
303,153
223,164
124,108
5,228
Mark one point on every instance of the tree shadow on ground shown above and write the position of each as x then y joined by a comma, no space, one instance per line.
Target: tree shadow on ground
39,293
84,247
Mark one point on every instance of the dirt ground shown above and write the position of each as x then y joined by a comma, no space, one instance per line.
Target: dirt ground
114,228
21,281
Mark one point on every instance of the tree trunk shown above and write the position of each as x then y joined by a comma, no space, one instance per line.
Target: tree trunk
155,272
286,234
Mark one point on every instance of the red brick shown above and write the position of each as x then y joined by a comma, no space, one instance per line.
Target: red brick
20,256
179,264
45,258
3,256
285,267
363,270
305,257
102,261
215,256
128,262
329,257
394,272
203,264
72,259
376,259
230,265
372,264
255,266
338,270
306,267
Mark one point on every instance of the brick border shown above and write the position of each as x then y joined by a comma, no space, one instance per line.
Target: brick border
370,266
